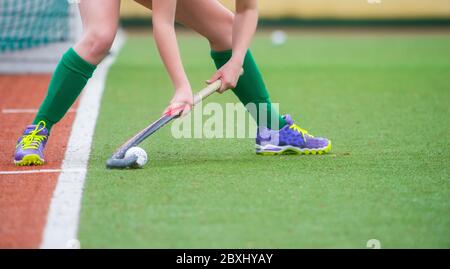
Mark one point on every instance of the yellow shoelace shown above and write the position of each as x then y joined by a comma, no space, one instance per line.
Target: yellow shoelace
33,140
300,130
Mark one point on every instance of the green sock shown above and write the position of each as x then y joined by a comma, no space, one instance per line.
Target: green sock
69,79
251,89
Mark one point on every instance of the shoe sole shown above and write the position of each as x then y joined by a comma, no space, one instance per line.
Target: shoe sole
31,159
271,150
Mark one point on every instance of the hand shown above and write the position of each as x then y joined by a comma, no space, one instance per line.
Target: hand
229,74
181,102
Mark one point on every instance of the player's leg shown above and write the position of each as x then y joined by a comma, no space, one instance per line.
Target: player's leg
100,20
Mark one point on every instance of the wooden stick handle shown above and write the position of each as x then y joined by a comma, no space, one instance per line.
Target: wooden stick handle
207,91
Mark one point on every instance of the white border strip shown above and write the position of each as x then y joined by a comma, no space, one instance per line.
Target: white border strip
63,214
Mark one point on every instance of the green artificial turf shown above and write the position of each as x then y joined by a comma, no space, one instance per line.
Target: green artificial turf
384,101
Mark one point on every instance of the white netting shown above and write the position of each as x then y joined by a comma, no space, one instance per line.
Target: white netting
34,33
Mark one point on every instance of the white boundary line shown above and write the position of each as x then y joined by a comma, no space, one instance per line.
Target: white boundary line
63,215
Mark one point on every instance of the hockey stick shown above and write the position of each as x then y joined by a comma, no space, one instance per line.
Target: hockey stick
117,160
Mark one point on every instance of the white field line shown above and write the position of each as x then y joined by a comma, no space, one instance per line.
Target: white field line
26,110
39,171
63,214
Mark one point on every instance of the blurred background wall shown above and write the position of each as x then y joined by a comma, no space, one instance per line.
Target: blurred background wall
331,9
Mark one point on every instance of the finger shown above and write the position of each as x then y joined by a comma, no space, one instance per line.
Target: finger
225,86
168,110
186,110
215,77
173,109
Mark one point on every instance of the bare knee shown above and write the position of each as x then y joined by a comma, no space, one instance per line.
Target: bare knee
222,38
95,45
98,43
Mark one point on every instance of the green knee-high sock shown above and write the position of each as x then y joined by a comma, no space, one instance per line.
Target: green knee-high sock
69,79
251,89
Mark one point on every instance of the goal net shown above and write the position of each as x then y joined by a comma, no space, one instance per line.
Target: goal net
35,33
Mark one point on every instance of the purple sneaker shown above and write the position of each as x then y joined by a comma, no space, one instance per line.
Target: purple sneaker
30,146
291,139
